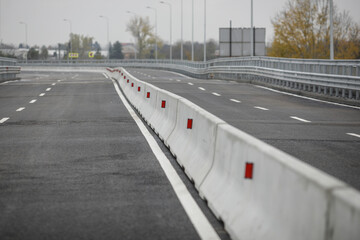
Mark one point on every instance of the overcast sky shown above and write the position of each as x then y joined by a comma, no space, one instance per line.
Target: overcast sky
46,26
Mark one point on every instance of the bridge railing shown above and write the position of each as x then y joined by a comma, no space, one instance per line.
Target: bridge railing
8,69
335,79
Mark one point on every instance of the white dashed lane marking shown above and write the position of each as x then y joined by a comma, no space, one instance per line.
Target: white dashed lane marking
48,89
20,109
261,108
53,84
33,101
216,94
234,100
354,135
202,89
300,119
191,84
42,94
4,120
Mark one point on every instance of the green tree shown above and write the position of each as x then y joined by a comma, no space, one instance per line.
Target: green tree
301,30
44,53
33,54
141,30
116,51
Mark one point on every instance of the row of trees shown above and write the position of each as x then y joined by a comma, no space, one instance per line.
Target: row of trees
302,30
145,41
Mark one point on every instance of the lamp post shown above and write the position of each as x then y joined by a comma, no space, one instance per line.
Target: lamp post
331,30
181,53
107,27
130,12
155,30
252,30
204,30
68,20
170,7
26,38
192,35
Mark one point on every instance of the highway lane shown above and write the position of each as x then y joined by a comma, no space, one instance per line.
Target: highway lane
324,135
74,165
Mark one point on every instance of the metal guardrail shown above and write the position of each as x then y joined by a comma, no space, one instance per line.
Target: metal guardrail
8,69
339,78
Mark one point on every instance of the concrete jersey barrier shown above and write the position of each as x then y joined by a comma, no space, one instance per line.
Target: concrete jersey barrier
257,190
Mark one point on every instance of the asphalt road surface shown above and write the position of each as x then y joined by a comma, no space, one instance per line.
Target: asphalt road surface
324,135
74,165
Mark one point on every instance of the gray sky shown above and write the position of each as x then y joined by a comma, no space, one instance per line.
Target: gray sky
46,26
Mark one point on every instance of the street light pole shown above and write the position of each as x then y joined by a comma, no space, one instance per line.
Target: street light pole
155,30
204,30
107,27
181,53
192,35
252,30
68,20
26,36
170,6
331,30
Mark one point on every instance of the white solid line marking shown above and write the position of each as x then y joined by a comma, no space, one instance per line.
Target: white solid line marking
42,94
234,100
48,89
261,108
105,76
32,101
216,94
190,83
196,216
202,89
308,98
354,135
20,109
300,119
4,120
53,84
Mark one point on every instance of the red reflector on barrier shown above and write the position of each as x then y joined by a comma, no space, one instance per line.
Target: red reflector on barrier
148,95
132,84
122,74
128,81
189,123
249,170
163,104
138,89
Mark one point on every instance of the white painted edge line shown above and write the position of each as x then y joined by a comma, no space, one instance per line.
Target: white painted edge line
234,100
197,217
354,135
261,108
20,109
42,94
309,98
190,83
216,94
48,89
4,120
300,119
53,84
105,76
201,88
32,101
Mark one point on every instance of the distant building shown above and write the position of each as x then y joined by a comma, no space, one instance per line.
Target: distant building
129,51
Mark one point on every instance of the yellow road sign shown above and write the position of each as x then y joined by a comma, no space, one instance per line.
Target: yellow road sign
73,55
91,54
